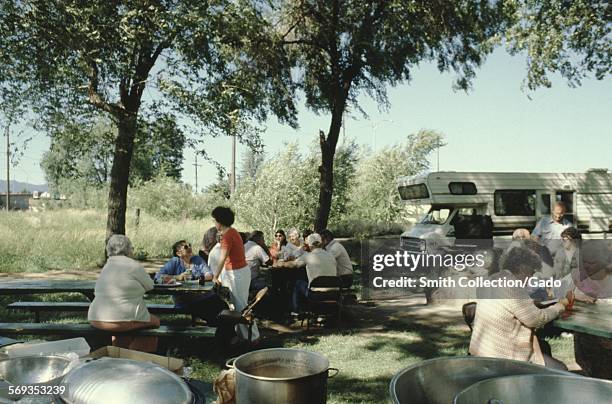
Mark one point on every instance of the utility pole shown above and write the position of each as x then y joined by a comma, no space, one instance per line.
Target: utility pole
233,168
8,168
196,165
375,125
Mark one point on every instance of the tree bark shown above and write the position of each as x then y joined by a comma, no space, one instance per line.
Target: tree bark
120,173
326,169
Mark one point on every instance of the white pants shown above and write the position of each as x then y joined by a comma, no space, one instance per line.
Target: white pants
238,282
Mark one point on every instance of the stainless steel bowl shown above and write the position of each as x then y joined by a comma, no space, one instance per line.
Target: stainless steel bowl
111,380
541,389
29,370
437,381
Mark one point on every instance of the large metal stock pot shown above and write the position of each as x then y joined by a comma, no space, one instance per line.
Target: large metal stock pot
438,381
541,389
281,375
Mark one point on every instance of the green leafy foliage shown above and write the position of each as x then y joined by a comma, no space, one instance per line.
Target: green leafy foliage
219,70
374,198
344,48
284,192
84,152
572,38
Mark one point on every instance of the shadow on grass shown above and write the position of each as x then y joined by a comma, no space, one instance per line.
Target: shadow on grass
342,389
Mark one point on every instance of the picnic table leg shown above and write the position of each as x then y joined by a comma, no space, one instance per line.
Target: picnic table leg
88,295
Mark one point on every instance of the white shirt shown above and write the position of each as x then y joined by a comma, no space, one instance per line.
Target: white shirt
548,229
318,262
119,292
291,250
255,256
549,232
213,257
343,261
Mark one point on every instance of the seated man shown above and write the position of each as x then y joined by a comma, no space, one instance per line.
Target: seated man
318,262
256,256
203,305
343,261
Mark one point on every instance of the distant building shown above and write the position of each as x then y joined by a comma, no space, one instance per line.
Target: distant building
19,201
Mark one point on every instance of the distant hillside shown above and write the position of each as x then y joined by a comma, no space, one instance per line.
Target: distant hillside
18,186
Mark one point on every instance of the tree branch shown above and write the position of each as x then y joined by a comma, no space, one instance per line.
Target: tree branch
97,99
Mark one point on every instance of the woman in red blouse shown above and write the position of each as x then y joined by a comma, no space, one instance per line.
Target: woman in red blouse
233,271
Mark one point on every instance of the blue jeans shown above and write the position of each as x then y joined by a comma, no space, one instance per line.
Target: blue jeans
300,292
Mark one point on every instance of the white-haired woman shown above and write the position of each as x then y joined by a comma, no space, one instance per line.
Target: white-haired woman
295,247
119,304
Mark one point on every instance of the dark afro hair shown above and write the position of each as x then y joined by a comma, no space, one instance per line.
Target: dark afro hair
572,233
223,215
327,234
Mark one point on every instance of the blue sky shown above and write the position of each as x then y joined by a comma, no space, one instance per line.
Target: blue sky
494,127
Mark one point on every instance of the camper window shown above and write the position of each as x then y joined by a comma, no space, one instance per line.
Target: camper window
515,202
436,215
418,191
462,188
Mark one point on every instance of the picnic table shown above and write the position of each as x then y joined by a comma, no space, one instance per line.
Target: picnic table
36,286
86,287
592,327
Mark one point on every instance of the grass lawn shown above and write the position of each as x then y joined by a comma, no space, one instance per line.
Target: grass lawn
375,341
69,239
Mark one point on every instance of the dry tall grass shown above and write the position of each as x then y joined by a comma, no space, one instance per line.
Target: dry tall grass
70,239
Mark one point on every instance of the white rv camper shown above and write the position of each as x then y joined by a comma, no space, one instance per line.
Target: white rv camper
482,205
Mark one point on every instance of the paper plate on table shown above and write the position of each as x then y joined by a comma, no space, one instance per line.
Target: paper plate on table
168,285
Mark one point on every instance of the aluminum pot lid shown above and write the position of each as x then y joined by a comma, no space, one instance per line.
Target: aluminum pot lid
110,380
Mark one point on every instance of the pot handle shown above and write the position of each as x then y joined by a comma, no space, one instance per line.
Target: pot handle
335,374
230,363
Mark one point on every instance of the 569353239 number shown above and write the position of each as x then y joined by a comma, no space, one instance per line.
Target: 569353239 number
35,390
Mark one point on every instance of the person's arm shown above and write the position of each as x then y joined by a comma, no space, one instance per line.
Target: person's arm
287,264
527,313
583,297
297,263
263,257
143,277
167,270
199,268
537,232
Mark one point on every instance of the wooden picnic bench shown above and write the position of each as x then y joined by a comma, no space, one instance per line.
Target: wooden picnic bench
80,329
38,286
38,307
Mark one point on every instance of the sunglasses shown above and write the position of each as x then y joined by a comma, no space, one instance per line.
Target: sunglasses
278,235
187,246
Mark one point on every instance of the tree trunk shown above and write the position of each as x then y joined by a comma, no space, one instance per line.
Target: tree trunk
326,184
120,173
326,169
